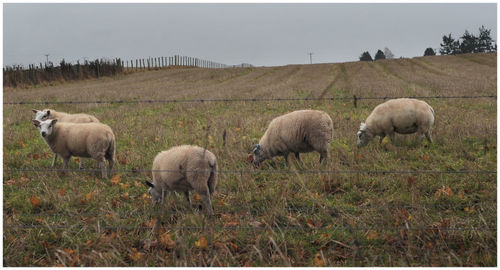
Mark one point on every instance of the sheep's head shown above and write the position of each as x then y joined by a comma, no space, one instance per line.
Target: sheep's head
258,155
156,195
45,127
41,115
364,135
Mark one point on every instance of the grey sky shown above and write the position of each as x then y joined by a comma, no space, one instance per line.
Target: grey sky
259,34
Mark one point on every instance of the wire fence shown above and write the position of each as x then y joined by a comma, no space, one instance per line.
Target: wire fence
354,98
226,210
288,227
252,171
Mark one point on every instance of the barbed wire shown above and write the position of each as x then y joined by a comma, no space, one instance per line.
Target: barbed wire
355,98
250,171
295,227
224,210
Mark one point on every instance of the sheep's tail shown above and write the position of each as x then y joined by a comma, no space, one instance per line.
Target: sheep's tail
211,180
432,110
110,152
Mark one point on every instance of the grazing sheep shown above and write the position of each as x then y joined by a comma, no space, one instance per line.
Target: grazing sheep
403,115
184,168
296,132
89,140
64,117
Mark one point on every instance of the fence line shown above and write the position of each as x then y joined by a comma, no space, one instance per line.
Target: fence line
261,171
354,98
305,228
436,206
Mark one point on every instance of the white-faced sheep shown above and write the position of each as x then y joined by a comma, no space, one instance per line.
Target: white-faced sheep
88,140
184,168
296,132
403,115
42,115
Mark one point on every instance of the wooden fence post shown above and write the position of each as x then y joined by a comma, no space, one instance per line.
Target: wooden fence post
355,101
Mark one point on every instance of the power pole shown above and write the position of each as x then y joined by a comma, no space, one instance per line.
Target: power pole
47,56
310,57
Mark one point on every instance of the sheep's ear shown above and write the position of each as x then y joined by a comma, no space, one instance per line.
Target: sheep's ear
149,184
48,112
362,127
36,123
54,121
35,111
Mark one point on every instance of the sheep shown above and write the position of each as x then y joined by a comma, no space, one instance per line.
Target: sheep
296,132
64,117
403,115
94,140
184,168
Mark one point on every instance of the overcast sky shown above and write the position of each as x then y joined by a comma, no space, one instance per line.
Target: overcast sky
259,34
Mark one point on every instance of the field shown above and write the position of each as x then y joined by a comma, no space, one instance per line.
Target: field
363,208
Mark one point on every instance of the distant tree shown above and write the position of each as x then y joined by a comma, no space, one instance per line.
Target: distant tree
388,54
379,55
365,57
429,51
469,43
484,40
449,46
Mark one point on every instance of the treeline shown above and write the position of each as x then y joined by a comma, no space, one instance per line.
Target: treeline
14,76
467,43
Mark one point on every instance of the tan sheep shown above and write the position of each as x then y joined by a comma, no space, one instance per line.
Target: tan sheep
403,115
184,168
64,117
296,132
88,140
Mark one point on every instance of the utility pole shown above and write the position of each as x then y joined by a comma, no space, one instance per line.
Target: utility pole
47,57
310,57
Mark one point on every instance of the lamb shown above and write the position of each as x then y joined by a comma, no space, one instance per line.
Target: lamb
94,140
184,168
403,115
64,117
296,132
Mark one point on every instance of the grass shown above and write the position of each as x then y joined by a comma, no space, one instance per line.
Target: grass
262,218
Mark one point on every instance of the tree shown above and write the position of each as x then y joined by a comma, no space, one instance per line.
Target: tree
484,41
429,51
388,54
469,43
365,57
449,46
379,55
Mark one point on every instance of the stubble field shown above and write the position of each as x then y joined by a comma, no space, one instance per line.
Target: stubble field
407,204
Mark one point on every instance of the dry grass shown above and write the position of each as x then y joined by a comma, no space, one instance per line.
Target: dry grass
264,218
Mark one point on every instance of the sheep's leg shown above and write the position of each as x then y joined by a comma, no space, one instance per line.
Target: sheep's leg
186,194
428,136
65,164
381,138
54,161
285,155
102,165
81,164
391,136
323,156
111,162
207,203
297,155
